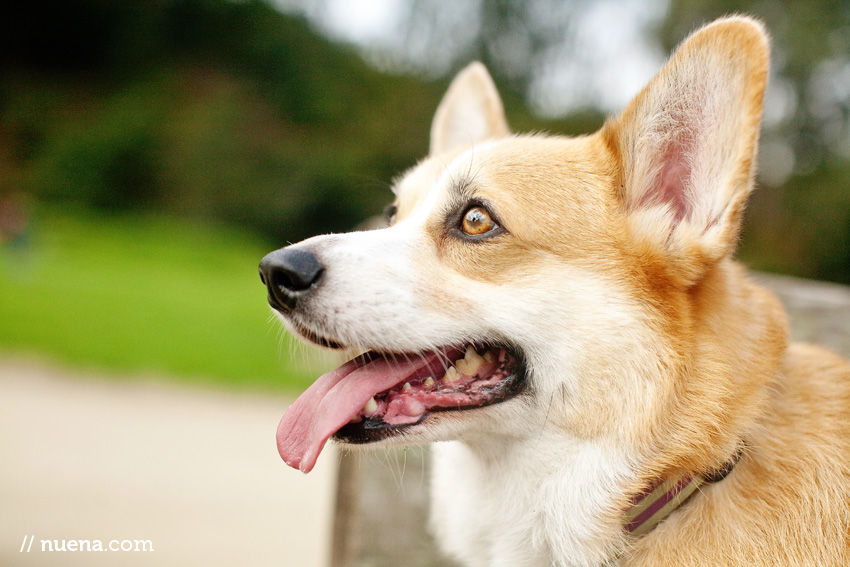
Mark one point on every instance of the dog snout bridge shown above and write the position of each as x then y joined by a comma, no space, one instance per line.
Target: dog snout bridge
289,274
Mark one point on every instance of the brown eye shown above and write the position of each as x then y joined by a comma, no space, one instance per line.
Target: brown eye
477,221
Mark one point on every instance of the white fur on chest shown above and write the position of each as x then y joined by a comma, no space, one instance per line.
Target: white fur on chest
536,503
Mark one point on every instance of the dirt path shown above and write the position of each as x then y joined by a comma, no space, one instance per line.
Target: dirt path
193,471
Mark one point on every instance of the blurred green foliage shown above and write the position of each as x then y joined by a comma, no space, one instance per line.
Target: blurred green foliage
231,111
206,108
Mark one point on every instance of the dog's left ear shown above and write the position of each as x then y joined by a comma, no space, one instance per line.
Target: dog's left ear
687,143
471,111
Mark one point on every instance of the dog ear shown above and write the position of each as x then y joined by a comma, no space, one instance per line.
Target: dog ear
687,144
471,111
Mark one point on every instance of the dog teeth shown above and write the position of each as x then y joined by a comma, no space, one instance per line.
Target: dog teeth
489,357
371,406
451,375
428,382
470,363
407,387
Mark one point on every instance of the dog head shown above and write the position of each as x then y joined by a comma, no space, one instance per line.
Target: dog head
529,281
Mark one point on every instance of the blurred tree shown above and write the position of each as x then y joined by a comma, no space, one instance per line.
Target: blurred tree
233,111
210,108
561,56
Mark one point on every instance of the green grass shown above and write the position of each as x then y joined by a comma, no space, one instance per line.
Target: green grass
143,294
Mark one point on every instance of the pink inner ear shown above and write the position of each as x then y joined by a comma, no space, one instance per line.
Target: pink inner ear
673,181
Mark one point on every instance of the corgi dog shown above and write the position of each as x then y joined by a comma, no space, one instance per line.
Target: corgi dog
563,318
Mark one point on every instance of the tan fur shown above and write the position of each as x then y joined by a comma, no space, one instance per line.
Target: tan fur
726,374
650,354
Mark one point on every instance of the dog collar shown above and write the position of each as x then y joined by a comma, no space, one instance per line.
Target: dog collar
661,499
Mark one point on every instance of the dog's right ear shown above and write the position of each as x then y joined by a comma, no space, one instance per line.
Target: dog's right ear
686,146
471,111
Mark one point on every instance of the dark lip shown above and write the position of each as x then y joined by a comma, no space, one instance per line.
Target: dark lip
316,338
372,430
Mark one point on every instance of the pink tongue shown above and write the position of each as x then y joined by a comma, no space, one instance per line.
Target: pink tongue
333,400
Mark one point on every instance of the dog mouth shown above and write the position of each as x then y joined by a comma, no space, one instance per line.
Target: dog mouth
479,377
380,395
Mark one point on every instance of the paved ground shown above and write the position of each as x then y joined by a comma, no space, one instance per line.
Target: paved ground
194,471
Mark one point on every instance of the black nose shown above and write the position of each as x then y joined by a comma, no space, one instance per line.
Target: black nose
289,274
